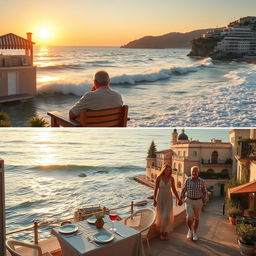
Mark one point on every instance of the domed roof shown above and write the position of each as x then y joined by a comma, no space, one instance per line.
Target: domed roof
183,136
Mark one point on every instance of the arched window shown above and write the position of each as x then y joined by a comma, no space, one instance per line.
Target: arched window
178,184
214,157
153,164
179,168
210,171
224,171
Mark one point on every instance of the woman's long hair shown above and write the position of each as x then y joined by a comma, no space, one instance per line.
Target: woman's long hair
163,168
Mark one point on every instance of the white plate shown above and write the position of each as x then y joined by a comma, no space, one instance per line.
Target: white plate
103,237
91,220
68,229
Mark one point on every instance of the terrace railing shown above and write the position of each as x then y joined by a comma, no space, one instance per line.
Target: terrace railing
36,225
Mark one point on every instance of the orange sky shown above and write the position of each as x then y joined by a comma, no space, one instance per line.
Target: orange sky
115,22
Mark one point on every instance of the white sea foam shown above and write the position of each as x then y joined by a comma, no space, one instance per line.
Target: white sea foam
77,89
231,104
161,74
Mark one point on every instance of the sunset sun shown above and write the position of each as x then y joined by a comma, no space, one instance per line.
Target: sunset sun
44,34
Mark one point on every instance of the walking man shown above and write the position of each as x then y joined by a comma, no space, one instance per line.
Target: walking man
194,190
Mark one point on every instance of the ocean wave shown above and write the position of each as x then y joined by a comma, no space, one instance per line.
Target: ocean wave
161,74
239,77
58,67
25,204
64,88
73,167
66,167
233,105
78,89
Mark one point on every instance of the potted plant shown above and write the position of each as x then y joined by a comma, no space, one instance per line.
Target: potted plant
232,213
99,220
246,238
249,213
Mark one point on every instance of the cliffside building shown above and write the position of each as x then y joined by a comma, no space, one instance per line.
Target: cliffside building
238,40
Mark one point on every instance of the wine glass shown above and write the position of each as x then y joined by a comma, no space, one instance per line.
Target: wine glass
113,216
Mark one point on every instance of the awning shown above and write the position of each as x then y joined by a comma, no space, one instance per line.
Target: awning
249,187
11,41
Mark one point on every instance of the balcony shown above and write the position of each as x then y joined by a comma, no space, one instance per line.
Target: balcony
180,158
247,149
227,162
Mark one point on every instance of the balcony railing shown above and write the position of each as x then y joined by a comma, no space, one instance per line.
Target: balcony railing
218,163
180,158
247,148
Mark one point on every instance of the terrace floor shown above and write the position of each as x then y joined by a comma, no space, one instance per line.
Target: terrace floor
216,236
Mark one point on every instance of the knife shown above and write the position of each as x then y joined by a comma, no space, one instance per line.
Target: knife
119,234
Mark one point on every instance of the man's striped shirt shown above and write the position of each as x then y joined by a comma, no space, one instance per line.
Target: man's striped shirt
195,189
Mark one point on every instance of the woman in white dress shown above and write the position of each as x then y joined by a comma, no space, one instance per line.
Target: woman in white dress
163,201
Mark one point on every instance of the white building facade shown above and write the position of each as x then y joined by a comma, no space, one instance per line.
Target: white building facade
211,157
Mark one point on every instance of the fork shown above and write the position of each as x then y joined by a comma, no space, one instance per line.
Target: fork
92,241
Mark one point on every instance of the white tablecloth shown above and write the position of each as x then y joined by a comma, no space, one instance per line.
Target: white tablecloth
78,245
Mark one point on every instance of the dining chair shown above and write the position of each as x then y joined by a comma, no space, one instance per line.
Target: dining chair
142,220
17,248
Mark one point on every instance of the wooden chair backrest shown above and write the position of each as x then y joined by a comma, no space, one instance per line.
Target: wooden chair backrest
114,117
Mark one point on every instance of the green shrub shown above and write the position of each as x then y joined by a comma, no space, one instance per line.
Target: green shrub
99,216
209,175
246,233
37,122
4,123
4,116
234,211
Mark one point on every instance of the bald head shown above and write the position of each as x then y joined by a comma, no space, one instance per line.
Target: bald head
101,78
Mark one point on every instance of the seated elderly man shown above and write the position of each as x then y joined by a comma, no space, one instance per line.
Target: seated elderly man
101,96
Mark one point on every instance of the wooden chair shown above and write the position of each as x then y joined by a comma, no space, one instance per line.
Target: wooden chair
142,220
114,117
17,248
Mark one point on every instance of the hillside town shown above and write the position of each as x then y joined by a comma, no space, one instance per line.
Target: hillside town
236,40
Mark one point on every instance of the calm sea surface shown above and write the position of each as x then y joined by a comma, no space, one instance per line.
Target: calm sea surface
42,170
161,87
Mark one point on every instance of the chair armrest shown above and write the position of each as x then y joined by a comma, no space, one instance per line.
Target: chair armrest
27,245
59,119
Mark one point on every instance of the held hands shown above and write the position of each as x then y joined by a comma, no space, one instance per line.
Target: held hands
180,202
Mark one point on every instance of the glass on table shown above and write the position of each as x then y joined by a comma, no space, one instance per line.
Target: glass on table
113,217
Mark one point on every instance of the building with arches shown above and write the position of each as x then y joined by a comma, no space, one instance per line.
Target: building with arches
214,158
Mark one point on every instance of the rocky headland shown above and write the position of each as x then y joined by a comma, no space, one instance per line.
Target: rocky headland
170,40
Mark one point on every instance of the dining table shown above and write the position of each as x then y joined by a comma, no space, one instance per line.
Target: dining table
125,241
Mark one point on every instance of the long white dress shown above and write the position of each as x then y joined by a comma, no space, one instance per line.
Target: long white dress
164,207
